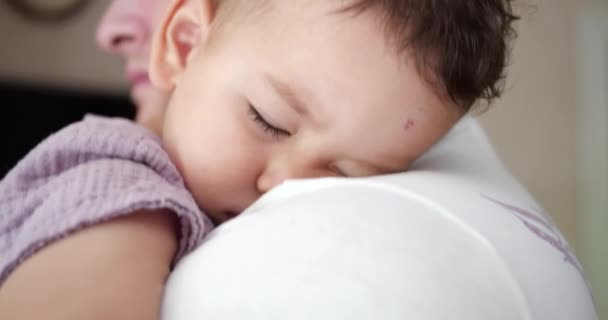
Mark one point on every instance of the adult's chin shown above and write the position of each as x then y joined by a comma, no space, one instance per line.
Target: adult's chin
150,105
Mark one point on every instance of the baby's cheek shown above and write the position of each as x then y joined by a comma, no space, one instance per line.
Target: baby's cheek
171,149
409,124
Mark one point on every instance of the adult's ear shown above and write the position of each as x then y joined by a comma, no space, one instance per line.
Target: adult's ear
183,29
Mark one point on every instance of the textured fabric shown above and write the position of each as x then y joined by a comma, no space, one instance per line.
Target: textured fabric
87,173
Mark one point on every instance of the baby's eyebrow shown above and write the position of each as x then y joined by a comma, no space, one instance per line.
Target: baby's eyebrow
298,101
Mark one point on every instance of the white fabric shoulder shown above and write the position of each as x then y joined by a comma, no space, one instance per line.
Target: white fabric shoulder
334,254
456,237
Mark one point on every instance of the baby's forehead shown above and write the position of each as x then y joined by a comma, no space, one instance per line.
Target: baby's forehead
341,62
257,10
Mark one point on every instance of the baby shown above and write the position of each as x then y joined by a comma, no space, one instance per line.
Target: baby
264,91
272,90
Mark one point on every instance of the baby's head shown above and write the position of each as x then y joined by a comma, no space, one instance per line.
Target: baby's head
269,90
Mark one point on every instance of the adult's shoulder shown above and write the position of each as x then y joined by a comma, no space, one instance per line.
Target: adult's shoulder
462,186
455,237
343,252
332,248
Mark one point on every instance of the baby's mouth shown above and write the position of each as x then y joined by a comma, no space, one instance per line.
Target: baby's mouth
222,217
231,214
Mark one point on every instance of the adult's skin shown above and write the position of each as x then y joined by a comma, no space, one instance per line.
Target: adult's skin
118,269
126,30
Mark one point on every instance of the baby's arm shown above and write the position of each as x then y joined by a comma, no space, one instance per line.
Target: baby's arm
53,206
114,270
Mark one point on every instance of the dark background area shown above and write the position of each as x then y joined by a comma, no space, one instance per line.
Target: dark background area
31,113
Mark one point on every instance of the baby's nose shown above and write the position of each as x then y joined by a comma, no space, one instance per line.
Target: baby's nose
124,34
266,182
273,177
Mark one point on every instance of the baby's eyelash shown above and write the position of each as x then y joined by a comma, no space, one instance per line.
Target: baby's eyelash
265,125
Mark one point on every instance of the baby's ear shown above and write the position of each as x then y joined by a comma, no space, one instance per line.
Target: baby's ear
184,27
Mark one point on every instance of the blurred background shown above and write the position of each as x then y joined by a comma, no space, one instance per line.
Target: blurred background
551,127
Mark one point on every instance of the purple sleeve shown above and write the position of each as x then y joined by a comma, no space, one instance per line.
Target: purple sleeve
92,171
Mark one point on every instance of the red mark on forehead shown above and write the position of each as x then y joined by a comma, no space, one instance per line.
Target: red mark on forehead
409,124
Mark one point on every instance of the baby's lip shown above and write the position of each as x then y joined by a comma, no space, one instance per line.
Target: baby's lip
222,216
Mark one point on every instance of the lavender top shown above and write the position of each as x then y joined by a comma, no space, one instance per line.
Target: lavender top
91,171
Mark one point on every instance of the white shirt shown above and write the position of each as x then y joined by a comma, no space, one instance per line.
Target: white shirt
455,237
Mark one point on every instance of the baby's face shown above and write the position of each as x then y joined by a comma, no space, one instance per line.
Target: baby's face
297,92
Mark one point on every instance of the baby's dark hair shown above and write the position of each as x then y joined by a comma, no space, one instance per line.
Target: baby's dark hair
460,46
